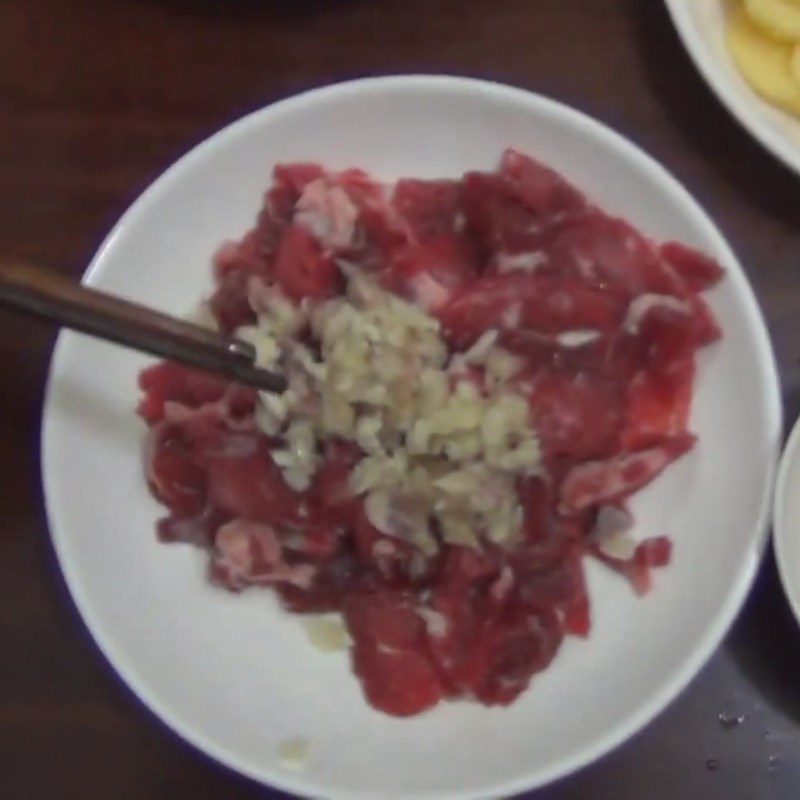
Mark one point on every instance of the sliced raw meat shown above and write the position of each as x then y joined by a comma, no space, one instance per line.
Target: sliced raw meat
399,682
600,327
497,217
544,304
330,491
169,381
388,655
560,586
650,553
596,483
382,228
229,303
431,273
296,177
326,212
577,415
387,619
198,530
698,271
669,328
515,650
608,252
172,474
335,579
389,555
465,566
247,553
453,645
539,187
247,483
658,403
432,209
249,256
301,267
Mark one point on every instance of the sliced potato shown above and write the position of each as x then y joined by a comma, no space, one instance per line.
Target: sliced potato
779,18
795,63
764,63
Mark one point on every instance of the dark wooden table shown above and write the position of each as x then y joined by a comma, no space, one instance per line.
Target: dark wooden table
99,96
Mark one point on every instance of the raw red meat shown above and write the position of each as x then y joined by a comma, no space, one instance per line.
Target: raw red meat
295,177
432,209
388,618
389,653
430,273
595,483
245,482
199,529
606,325
608,252
173,382
698,271
172,473
653,552
544,305
301,268
329,492
399,682
229,302
658,403
539,187
578,414
485,637
514,649
248,553
497,216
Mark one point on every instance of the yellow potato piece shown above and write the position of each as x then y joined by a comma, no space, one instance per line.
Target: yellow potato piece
764,63
795,63
779,18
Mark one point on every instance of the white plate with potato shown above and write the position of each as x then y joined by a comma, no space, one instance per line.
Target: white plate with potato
749,53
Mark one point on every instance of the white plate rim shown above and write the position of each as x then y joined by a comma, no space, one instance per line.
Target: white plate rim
694,660
790,580
704,61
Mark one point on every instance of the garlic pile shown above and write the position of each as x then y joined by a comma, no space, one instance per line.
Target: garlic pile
443,450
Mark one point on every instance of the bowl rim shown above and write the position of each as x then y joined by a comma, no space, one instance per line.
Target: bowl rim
706,65
790,577
694,659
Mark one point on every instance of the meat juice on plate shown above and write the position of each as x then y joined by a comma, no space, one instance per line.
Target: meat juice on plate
481,372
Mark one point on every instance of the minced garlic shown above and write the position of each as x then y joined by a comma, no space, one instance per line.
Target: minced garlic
443,452
327,634
294,753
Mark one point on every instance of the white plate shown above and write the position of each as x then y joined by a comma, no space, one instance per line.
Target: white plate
701,25
233,674
786,520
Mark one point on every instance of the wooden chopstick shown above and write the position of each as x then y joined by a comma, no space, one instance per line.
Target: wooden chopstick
53,297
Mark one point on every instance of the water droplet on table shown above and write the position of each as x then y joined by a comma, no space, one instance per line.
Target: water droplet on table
773,762
730,721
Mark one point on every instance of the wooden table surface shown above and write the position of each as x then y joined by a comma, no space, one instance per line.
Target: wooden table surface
97,97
